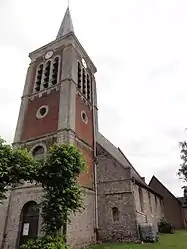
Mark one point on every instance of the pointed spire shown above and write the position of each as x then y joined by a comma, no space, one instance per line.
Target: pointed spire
66,25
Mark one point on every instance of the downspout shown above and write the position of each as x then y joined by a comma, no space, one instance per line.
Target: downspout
95,157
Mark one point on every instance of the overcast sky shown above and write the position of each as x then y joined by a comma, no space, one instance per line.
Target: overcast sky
140,51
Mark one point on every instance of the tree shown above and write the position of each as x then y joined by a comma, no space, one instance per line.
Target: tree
57,173
62,193
183,166
16,166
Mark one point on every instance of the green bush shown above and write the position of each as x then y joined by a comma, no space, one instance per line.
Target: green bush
164,226
47,242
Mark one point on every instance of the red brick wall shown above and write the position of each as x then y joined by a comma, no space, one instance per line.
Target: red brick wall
86,178
83,131
34,127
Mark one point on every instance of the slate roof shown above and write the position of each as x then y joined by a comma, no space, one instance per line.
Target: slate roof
66,25
122,159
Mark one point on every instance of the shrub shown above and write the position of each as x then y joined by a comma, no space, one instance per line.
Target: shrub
164,226
47,242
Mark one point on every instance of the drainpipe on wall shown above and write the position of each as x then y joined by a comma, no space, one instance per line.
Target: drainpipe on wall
95,158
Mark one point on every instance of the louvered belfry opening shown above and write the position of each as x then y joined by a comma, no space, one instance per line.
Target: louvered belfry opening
55,71
79,76
39,77
84,81
46,74
88,88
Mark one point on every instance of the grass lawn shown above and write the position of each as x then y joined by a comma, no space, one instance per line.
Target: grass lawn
178,240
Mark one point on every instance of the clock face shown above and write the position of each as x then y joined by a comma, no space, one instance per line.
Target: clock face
49,54
84,63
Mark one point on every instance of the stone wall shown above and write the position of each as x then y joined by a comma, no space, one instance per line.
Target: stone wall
80,231
18,198
3,216
114,191
185,215
152,208
172,207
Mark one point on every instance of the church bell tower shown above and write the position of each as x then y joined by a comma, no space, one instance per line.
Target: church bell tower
59,99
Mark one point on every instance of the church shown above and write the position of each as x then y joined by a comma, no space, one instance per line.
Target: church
59,104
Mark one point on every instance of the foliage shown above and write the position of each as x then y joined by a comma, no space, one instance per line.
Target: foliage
62,194
47,242
183,167
164,226
58,175
16,165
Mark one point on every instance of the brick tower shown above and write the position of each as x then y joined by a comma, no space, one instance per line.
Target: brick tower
58,105
59,98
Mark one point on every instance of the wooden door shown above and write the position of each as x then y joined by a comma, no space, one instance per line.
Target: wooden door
29,222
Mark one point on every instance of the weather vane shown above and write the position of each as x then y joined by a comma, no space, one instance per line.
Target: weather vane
68,3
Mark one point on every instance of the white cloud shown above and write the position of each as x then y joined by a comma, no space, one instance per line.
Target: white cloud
139,48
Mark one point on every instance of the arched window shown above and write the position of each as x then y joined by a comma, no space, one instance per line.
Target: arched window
155,200
83,81
88,88
55,71
141,199
79,76
47,74
28,222
39,77
115,214
161,205
150,205
38,152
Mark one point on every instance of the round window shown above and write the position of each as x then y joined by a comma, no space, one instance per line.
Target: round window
84,117
42,111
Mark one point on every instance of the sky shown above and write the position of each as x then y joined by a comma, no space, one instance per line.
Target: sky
140,51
